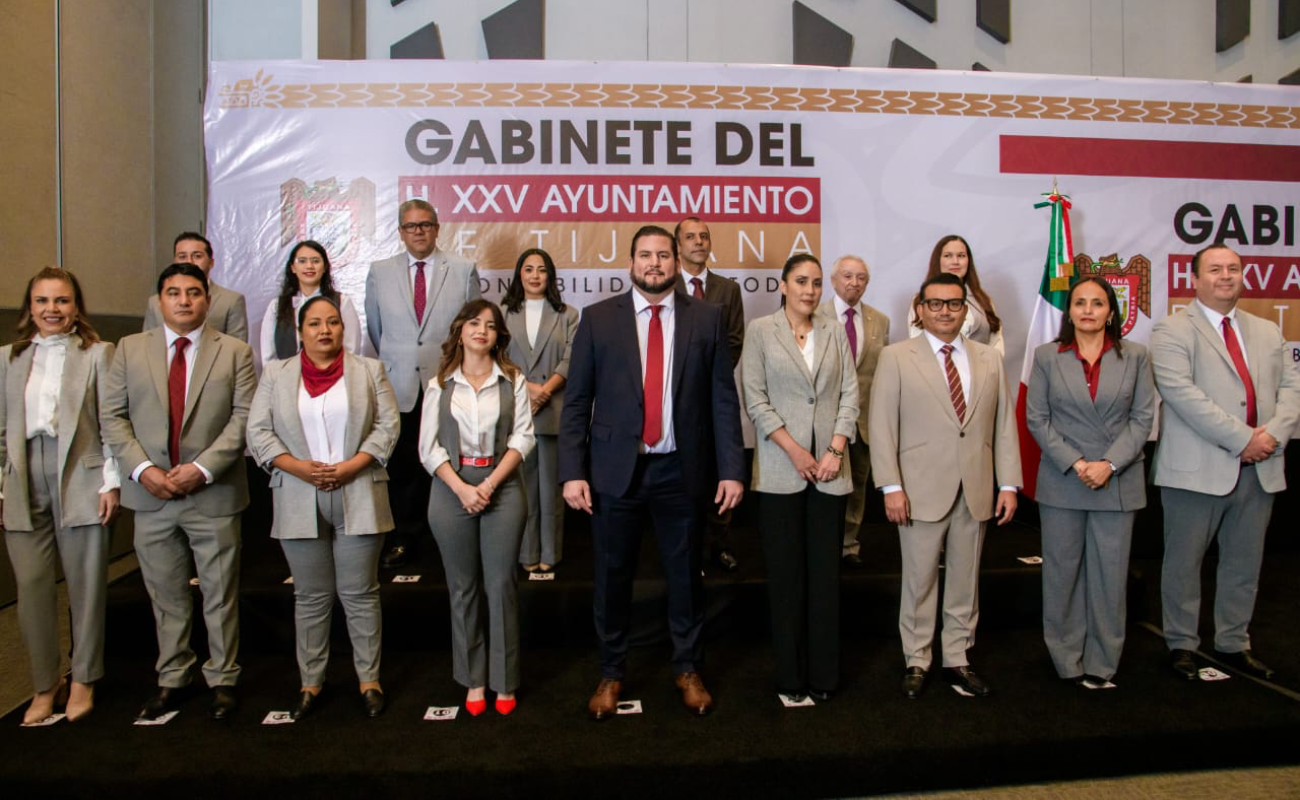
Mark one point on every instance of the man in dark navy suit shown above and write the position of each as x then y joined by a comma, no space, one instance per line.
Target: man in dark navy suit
651,421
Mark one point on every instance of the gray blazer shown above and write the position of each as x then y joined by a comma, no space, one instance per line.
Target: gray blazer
412,351
549,357
134,412
275,428
780,392
81,449
227,312
1203,412
1068,426
875,335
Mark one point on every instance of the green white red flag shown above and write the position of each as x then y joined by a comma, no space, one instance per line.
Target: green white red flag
1045,325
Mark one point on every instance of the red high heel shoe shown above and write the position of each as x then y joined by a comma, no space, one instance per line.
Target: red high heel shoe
476,707
506,706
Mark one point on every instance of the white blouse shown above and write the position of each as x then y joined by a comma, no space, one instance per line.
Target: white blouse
324,421
533,318
476,414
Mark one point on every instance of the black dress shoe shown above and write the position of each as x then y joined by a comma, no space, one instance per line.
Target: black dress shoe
396,556
224,702
913,682
1184,664
373,702
725,560
821,696
851,561
305,706
1246,662
167,698
966,678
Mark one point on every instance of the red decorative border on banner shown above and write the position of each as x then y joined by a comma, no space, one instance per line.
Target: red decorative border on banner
1146,158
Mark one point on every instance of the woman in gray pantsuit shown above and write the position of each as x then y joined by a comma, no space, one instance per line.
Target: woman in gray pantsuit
1090,406
475,431
541,335
324,424
59,488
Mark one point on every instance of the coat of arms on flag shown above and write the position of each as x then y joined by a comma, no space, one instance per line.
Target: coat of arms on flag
337,217
1131,282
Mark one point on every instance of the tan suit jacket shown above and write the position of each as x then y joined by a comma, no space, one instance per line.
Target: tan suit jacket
875,335
918,443
275,428
227,312
1203,414
812,406
81,450
135,413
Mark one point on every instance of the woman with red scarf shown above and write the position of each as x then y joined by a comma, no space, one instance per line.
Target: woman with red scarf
324,424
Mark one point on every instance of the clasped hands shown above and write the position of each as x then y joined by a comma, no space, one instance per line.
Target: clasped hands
1262,445
538,396
815,470
1094,474
326,477
180,481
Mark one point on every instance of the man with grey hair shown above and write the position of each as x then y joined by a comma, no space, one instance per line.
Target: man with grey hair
411,300
868,331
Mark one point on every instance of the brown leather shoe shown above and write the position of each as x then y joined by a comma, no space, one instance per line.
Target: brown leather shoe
694,695
604,702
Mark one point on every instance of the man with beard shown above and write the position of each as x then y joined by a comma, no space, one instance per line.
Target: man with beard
650,426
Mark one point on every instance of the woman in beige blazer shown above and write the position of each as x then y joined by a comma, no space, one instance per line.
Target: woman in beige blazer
324,424
59,488
801,391
541,336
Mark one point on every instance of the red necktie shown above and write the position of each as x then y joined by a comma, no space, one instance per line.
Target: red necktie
421,292
851,331
697,288
176,400
1239,361
954,383
653,424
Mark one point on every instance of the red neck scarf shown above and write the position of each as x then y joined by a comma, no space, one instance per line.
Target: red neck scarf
318,381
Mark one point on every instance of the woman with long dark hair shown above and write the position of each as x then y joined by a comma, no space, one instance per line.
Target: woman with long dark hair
306,275
60,486
475,430
541,335
952,254
1090,406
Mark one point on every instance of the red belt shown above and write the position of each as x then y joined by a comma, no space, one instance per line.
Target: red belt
469,461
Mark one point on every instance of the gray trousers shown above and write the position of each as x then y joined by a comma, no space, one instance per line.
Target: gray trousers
83,552
859,471
165,541
1192,521
480,554
544,529
1085,582
959,537
335,563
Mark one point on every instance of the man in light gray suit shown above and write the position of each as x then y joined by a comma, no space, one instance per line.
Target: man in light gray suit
943,428
187,478
868,332
227,311
1231,398
411,300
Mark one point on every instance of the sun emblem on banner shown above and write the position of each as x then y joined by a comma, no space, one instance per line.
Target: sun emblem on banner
337,217
1132,283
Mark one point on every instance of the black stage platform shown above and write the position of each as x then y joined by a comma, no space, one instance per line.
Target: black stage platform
868,740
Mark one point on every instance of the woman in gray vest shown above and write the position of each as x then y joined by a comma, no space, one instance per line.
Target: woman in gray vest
59,486
324,424
1090,404
541,335
475,430
307,274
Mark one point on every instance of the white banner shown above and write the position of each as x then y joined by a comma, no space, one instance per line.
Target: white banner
573,157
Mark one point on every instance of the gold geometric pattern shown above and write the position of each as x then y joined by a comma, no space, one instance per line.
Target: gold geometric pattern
261,92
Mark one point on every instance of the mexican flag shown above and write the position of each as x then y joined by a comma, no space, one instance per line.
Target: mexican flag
1058,271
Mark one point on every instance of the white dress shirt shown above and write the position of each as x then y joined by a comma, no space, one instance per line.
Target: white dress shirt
191,355
44,385
533,310
668,321
1216,319
476,414
324,421
809,349
355,338
841,310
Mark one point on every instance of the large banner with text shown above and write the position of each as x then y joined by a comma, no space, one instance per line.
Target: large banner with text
573,157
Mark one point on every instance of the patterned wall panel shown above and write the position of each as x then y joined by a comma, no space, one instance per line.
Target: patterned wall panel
1231,23
1288,18
424,43
902,54
994,18
927,9
818,41
517,31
